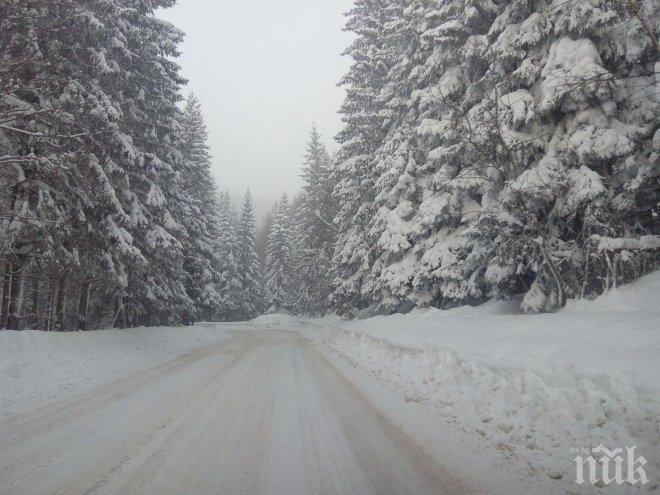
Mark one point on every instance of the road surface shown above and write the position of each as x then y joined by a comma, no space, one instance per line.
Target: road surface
264,412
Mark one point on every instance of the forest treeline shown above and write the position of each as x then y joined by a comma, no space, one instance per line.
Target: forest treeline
495,149
490,149
109,212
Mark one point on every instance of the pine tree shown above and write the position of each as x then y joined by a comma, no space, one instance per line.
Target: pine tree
261,247
198,212
261,241
399,160
359,139
225,248
146,152
570,151
46,208
508,151
279,260
315,234
247,263
97,170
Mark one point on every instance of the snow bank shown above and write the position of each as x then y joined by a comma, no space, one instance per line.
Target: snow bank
618,334
528,389
37,366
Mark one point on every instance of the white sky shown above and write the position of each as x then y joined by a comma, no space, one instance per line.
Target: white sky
264,70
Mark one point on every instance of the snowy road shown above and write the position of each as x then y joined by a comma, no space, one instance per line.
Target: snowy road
264,412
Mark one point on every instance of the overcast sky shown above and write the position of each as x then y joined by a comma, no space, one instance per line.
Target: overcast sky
264,70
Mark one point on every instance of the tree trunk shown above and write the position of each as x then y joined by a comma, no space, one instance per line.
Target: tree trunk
83,302
34,304
559,281
116,313
10,275
61,301
126,315
146,318
19,310
13,318
51,303
6,295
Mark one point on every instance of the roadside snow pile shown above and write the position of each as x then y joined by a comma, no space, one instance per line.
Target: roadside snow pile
529,388
36,366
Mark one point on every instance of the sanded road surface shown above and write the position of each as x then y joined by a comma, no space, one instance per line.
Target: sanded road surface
264,412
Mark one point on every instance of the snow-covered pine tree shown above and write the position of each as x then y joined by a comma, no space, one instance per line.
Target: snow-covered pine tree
508,165
315,235
105,90
52,128
428,193
261,247
141,75
248,266
198,212
279,263
35,204
570,105
361,136
261,242
225,248
404,194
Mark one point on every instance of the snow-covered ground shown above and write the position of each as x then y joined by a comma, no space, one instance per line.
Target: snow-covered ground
522,390
497,399
37,367
260,412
